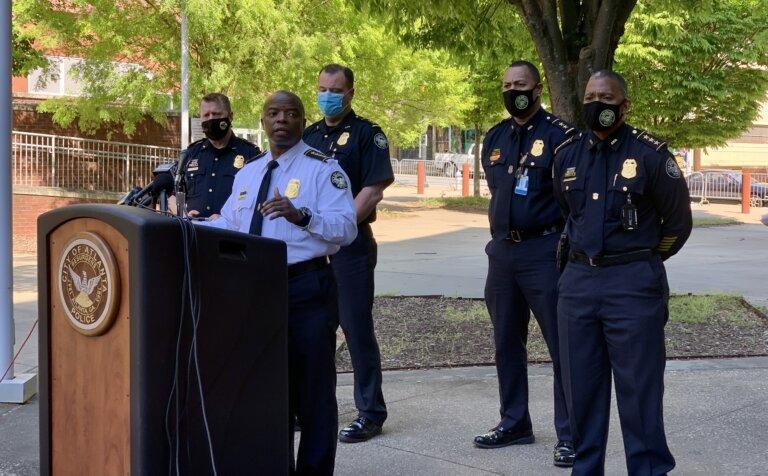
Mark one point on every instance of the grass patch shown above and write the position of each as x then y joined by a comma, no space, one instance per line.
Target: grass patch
693,309
385,213
475,312
709,220
463,204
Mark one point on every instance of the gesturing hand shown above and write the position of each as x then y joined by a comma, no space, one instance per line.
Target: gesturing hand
279,206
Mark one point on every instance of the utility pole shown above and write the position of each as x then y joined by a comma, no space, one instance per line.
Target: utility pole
13,388
184,78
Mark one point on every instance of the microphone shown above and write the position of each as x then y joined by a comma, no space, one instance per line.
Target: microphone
167,168
128,197
163,182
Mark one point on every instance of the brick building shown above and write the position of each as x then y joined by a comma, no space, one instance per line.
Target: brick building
34,190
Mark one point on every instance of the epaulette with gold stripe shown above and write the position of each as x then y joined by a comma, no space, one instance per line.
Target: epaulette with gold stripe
569,140
314,154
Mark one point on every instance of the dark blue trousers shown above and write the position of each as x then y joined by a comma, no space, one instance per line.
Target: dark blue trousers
312,323
354,267
612,320
522,277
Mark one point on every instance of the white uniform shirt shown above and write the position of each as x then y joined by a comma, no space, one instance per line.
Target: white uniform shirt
308,181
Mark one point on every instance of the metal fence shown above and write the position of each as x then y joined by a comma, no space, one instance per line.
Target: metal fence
725,185
436,175
83,165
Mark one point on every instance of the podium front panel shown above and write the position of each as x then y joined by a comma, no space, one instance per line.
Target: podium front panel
89,374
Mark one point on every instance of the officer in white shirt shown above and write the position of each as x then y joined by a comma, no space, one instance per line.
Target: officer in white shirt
298,195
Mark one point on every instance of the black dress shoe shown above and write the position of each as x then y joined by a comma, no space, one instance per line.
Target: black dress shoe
362,429
564,454
499,437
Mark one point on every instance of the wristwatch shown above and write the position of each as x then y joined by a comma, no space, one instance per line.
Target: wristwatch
306,217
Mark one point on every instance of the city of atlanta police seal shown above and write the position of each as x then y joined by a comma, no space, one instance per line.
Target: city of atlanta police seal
88,283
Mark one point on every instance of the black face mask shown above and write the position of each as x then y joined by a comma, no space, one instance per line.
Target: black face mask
600,116
518,103
216,129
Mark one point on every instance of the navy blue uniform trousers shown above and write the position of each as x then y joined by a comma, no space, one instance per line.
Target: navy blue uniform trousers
611,320
312,323
522,277
354,267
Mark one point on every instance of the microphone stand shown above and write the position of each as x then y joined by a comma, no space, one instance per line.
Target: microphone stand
163,201
180,185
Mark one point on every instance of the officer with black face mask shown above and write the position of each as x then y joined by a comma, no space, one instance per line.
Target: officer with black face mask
214,161
628,210
526,224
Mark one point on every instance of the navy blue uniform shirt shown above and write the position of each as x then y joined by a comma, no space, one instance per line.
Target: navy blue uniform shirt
595,179
211,171
361,148
512,152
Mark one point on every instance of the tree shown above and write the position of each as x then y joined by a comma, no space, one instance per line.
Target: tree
246,49
25,57
696,69
696,76
572,38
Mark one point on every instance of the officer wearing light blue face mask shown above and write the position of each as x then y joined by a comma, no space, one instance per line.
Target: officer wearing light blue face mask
362,150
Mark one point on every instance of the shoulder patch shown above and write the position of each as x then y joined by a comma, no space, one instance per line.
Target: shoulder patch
673,170
570,140
380,140
314,154
651,141
339,181
256,157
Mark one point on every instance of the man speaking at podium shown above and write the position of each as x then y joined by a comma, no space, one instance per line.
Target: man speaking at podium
298,195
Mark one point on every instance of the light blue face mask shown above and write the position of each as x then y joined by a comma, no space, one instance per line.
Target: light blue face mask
330,104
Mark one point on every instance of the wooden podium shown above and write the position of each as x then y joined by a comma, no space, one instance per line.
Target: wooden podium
119,390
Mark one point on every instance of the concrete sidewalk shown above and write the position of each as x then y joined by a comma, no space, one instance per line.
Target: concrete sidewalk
716,414
442,252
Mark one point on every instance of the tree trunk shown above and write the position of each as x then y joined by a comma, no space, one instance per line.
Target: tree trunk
573,38
476,181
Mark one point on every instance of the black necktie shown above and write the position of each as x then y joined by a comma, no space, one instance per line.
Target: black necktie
594,210
258,218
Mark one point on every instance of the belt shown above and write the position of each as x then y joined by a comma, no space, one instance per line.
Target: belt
610,260
307,266
517,236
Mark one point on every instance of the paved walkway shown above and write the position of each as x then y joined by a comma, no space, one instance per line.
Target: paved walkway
716,414
442,252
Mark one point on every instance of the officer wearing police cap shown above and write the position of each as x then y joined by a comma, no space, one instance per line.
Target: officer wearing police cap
628,211
214,160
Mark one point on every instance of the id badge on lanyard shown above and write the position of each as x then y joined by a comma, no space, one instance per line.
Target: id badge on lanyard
521,186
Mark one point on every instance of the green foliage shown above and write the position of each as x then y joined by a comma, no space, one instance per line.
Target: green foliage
696,68
246,49
697,75
25,57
